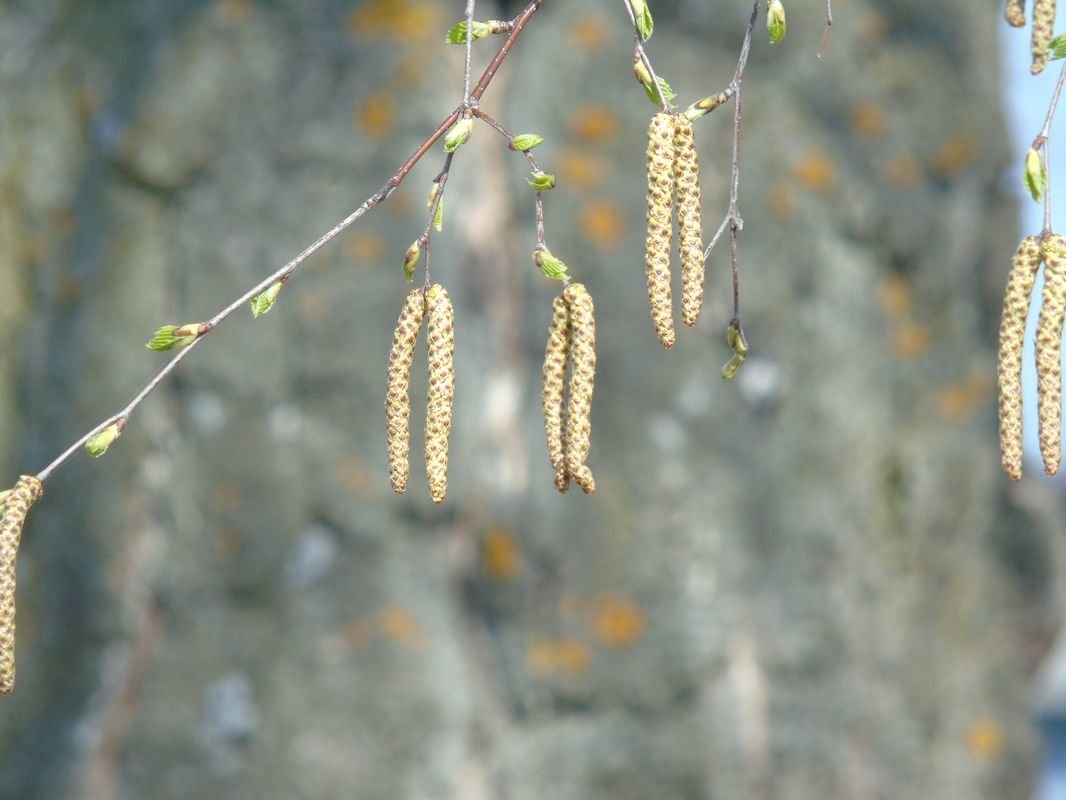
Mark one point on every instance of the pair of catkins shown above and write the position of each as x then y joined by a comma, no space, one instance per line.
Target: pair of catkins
1043,28
673,167
1051,250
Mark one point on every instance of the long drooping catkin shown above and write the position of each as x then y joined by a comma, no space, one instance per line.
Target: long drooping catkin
1023,271
1043,30
1015,13
441,349
1049,352
398,399
25,494
660,225
582,378
689,221
556,354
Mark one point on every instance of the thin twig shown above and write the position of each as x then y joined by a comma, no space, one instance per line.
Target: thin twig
828,27
533,163
1041,143
638,49
290,267
469,48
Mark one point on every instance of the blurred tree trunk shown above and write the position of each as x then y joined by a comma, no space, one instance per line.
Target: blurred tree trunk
811,583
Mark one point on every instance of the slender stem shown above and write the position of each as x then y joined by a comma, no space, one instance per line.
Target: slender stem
638,49
441,180
736,223
469,47
533,163
1041,143
828,28
284,272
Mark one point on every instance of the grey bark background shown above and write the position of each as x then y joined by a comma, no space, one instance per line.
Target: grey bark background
813,582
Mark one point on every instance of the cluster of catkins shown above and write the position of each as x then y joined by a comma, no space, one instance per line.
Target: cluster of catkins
673,167
1051,250
434,302
567,426
16,504
1043,28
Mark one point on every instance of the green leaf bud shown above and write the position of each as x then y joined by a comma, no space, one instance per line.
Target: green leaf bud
524,142
264,301
458,134
542,181
549,265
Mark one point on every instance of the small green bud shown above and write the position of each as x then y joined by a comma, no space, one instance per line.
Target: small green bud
1057,47
734,336
542,181
264,301
645,24
708,104
438,215
644,76
457,33
98,443
549,265
524,142
458,134
732,366
171,337
775,21
1035,174
411,259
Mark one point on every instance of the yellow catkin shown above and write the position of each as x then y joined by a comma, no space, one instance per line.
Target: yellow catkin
1043,30
441,348
1015,13
582,379
1023,271
660,225
398,399
689,220
1048,352
26,492
556,354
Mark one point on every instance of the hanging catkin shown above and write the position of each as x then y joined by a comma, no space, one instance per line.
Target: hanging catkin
398,398
660,225
441,349
1015,13
1023,271
689,222
25,493
1049,352
556,354
582,378
1043,30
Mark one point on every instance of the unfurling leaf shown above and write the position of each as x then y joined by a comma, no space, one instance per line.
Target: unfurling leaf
542,181
524,142
98,443
642,14
1035,174
411,259
549,265
775,21
264,301
457,135
171,337
457,33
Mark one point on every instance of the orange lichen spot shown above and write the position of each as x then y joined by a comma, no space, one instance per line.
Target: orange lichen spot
501,556
594,123
984,739
869,119
903,170
602,224
400,20
235,10
579,169
226,497
354,475
312,305
356,633
911,340
227,543
956,403
871,28
618,622
894,296
547,656
814,170
780,200
955,154
365,247
376,115
588,33
399,625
